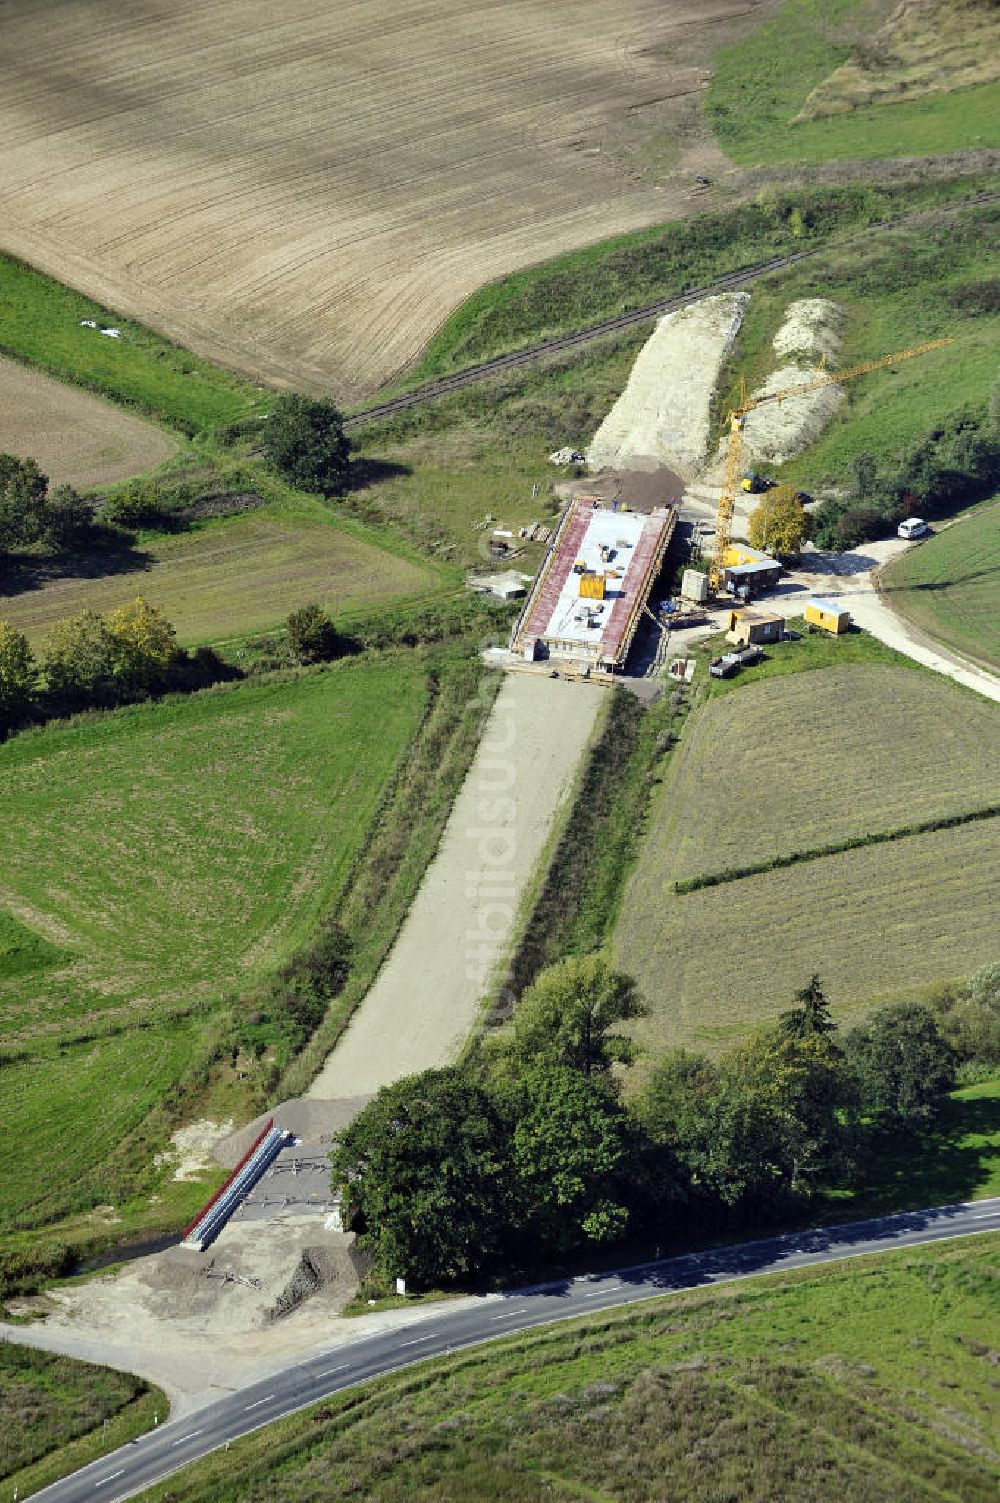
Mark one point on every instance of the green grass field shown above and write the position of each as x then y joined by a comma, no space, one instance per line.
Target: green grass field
950,585
913,285
235,575
630,270
40,323
57,1414
869,1382
790,764
173,854
761,83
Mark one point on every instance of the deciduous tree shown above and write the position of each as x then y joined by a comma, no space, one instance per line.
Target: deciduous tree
18,676
425,1168
904,1066
305,440
569,1150
312,635
144,643
778,523
79,660
22,502
571,1015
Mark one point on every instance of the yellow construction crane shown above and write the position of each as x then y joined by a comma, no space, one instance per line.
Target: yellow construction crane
734,449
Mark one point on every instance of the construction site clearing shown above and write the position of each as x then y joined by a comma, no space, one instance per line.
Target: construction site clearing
593,584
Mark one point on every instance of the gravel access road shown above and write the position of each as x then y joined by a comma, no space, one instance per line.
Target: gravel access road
427,997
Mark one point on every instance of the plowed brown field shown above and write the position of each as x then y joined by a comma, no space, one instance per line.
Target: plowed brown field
74,437
305,191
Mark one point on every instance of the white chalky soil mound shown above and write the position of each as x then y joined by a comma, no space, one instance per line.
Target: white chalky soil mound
809,335
663,414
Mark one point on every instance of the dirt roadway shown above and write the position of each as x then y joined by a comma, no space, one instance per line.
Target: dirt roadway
852,579
428,994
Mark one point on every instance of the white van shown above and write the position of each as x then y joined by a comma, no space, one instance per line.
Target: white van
913,527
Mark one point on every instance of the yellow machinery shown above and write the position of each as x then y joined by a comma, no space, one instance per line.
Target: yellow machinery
734,448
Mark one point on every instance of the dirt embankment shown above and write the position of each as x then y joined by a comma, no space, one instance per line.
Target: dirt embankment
663,415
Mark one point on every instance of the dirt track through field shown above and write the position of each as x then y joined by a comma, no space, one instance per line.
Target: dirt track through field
426,999
74,437
307,192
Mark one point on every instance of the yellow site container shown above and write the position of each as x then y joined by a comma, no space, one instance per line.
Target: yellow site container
828,615
592,586
741,553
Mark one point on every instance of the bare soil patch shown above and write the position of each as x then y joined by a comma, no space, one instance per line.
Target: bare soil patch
307,195
76,438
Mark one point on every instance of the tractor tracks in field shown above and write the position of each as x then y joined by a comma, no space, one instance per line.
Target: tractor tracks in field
471,375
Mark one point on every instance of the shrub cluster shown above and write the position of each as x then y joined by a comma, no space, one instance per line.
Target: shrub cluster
528,1153
291,1007
94,662
952,466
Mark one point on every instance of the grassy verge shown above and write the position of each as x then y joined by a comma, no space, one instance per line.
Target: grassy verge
41,324
950,585
870,1381
628,271
761,84
57,1414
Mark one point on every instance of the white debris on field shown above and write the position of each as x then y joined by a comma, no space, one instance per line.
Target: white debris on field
663,415
778,430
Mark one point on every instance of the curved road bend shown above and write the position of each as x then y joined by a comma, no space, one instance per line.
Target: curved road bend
160,1452
475,373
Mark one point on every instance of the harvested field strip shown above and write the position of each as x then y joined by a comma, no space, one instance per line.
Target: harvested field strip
950,585
75,438
877,924
866,1382
796,762
738,873
230,577
311,200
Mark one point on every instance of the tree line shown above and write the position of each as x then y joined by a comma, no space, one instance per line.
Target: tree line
529,1153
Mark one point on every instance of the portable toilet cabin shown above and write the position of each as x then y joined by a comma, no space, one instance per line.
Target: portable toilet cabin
754,628
827,615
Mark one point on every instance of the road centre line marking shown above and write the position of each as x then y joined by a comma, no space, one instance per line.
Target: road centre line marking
330,1370
183,1438
507,1314
417,1340
111,1478
258,1403
608,1289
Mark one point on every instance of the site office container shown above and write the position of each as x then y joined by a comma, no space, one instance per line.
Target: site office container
827,615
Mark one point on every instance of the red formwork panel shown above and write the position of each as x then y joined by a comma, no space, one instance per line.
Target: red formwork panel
558,572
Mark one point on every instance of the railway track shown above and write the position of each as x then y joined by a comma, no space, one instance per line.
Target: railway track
473,374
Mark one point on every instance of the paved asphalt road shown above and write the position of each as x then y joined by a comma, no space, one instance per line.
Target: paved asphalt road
155,1455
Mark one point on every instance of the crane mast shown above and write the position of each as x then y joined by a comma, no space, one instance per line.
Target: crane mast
734,448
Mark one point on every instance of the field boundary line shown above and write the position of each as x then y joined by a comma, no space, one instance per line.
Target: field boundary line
817,853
